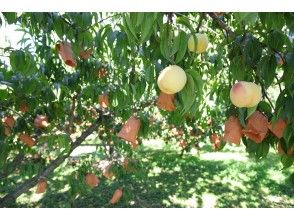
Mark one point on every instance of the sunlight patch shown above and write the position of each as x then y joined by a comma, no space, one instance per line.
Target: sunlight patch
177,168
275,175
64,189
153,143
209,200
155,171
189,203
83,150
223,156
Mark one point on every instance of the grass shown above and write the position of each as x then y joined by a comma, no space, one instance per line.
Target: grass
213,179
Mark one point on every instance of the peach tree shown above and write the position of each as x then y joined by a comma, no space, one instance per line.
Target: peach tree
120,78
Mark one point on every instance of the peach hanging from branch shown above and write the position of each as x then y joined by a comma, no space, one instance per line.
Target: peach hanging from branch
130,130
278,128
65,51
233,130
166,101
257,127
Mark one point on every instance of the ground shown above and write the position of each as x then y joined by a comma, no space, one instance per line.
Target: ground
213,179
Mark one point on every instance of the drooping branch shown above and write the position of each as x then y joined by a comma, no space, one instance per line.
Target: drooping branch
24,187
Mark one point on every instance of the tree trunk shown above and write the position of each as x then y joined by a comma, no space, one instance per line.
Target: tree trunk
24,187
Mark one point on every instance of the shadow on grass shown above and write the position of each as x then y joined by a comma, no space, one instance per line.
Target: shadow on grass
168,180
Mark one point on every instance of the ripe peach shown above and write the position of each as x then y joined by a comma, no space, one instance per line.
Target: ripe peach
245,94
202,43
172,79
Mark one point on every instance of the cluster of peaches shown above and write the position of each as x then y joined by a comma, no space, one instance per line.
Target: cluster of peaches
248,95
40,122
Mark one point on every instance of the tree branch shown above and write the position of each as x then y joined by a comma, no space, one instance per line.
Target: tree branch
222,24
12,196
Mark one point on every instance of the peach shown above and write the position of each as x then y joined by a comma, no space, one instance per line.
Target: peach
202,43
245,94
172,79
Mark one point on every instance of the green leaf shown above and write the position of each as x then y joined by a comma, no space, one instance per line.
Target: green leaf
288,133
129,25
248,17
10,17
252,51
287,161
276,40
198,81
264,107
185,21
188,94
183,38
140,18
250,111
22,61
237,68
272,20
289,18
266,69
147,28
165,42
241,116
288,76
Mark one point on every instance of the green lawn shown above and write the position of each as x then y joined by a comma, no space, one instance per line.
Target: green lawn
213,179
